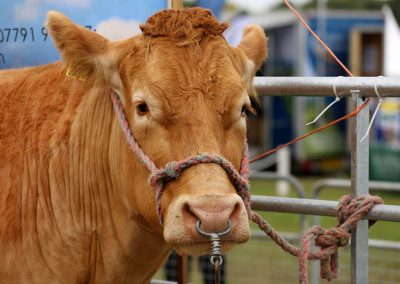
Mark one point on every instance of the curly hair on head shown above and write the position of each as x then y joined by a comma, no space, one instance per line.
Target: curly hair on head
188,26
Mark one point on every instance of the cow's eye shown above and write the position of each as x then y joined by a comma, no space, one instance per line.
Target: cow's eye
142,108
248,109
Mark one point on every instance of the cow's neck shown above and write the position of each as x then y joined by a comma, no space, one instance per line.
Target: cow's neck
99,190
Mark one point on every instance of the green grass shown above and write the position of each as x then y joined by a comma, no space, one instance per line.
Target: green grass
262,261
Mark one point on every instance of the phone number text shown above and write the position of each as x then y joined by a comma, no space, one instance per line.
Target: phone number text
26,34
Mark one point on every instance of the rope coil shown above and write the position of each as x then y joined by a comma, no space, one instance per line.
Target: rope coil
349,211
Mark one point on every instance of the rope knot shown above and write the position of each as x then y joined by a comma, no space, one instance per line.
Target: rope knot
173,169
351,209
333,237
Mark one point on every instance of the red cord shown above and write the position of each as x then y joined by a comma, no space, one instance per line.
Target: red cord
353,113
318,38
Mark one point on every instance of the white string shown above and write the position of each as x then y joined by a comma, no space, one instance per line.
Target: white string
337,98
376,110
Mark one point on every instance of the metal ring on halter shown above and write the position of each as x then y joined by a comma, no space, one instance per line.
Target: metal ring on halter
215,258
209,235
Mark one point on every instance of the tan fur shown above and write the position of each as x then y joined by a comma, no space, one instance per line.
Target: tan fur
183,26
75,204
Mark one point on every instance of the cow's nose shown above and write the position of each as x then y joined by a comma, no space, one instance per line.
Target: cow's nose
214,211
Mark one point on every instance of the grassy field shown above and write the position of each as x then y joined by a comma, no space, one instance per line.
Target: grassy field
261,261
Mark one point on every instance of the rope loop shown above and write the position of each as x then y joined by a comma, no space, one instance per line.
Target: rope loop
333,237
326,272
351,209
172,170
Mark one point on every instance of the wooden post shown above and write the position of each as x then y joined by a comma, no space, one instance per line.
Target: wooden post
183,270
175,4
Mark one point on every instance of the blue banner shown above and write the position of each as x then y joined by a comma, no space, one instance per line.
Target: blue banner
24,40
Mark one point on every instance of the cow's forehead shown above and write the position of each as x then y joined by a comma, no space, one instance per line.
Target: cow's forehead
188,43
208,65
182,86
183,55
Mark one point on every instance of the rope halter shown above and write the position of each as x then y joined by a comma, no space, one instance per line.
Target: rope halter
172,170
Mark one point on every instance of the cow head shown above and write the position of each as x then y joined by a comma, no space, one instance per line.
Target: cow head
185,91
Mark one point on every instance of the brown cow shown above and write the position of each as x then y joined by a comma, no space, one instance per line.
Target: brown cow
75,202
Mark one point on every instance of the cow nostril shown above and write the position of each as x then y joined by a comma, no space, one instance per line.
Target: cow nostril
236,212
212,212
189,216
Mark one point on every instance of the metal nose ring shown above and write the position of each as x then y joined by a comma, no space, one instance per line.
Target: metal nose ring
216,253
212,234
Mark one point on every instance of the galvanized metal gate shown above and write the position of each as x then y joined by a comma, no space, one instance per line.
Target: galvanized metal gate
357,88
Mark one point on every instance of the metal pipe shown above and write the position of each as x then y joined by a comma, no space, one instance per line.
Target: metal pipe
383,244
359,186
289,236
318,207
296,184
295,238
323,86
344,183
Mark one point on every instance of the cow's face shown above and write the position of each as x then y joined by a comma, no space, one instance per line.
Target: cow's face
185,91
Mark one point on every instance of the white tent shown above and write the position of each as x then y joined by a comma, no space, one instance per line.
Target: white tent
260,6
391,44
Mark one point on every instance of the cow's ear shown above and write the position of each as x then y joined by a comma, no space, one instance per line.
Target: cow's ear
80,48
254,45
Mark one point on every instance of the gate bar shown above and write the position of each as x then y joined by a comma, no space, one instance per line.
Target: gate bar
322,184
359,186
318,207
323,86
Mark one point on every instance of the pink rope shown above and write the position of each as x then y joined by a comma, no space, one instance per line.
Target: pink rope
119,110
172,171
